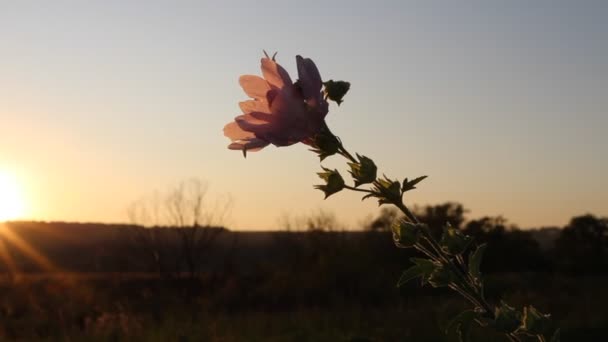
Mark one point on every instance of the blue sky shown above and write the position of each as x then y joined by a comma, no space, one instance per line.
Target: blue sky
502,103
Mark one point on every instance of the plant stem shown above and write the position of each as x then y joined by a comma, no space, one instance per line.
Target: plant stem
512,337
346,154
407,212
468,287
425,251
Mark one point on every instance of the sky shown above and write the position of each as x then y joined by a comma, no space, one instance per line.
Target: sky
503,104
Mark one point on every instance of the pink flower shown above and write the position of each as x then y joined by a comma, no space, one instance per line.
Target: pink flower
281,112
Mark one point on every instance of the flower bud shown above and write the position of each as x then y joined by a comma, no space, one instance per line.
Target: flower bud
335,90
386,190
325,143
405,234
364,171
333,182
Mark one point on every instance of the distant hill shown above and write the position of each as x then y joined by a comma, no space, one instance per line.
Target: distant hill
94,247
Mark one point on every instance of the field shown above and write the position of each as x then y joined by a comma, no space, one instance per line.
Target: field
74,282
128,307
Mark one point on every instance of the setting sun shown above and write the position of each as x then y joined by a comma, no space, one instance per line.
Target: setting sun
11,200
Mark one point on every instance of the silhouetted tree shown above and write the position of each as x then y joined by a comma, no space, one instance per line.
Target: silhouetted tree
181,217
437,216
582,246
509,248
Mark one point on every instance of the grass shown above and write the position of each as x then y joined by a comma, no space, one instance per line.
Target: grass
102,307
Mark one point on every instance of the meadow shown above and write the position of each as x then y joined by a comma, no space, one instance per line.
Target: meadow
311,285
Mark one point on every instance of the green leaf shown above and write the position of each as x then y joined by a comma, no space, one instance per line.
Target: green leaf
409,274
422,268
453,241
461,325
335,90
535,322
442,276
507,318
406,234
475,261
364,171
411,185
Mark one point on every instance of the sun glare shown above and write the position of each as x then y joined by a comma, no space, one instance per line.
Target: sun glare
11,200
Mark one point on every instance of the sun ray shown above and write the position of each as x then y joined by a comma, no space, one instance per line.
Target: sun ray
23,246
7,258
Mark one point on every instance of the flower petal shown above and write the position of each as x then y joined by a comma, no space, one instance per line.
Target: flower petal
292,119
249,145
254,86
275,74
252,124
234,132
254,106
264,116
309,77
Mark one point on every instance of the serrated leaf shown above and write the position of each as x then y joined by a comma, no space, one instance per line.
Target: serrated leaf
475,261
411,185
461,325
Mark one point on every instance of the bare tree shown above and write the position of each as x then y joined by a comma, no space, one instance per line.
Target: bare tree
180,225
